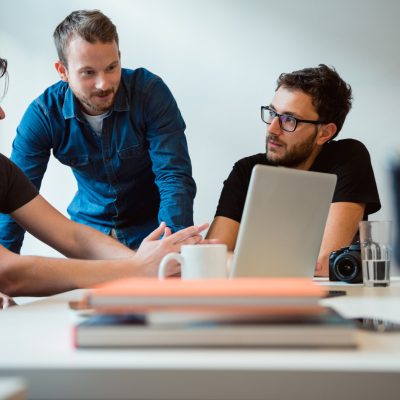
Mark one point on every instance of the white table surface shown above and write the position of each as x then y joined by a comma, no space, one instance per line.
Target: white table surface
36,343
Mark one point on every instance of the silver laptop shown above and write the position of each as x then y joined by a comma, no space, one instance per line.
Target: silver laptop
283,222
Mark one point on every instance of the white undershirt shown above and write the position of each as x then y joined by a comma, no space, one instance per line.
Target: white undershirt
96,121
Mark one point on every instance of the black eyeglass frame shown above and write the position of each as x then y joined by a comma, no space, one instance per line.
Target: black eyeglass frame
307,121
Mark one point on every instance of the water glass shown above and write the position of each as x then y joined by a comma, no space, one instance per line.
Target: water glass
376,252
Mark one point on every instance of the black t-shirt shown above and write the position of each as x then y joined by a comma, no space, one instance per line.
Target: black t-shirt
15,188
348,159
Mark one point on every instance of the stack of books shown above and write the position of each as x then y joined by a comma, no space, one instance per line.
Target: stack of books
248,312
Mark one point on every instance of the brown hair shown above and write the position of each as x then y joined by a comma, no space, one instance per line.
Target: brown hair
91,25
331,95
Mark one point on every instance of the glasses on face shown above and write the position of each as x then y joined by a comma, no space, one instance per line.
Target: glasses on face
3,86
288,123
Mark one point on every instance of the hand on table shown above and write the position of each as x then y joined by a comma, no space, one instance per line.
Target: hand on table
161,242
6,301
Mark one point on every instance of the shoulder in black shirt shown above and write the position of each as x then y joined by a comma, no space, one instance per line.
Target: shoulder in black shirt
348,159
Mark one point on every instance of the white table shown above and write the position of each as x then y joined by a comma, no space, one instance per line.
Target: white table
36,344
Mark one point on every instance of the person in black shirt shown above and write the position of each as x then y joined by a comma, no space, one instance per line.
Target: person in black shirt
38,276
305,115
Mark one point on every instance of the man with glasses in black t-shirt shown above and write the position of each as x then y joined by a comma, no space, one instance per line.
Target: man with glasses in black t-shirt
306,113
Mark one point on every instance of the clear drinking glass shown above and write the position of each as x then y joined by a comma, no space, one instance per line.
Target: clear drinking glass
376,252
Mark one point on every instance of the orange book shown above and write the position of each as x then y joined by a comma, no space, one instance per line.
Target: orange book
253,295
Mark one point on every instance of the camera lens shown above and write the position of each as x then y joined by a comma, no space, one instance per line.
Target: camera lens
346,268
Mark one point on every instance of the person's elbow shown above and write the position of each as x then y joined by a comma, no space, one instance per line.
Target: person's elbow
11,281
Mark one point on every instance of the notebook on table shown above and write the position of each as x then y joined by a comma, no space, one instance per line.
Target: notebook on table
241,295
283,222
325,329
240,312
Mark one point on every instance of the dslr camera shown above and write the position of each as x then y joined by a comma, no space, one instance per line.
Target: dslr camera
345,264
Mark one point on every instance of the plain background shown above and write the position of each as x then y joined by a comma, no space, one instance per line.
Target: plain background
221,60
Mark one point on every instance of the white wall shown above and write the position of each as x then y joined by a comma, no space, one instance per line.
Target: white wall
221,60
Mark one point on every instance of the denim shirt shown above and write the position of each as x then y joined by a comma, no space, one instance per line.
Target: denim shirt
134,175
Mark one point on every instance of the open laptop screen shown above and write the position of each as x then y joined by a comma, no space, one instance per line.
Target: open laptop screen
283,222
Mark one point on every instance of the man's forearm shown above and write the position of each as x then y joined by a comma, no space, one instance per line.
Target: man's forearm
42,276
92,244
69,238
341,226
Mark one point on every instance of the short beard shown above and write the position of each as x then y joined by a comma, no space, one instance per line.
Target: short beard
85,101
296,156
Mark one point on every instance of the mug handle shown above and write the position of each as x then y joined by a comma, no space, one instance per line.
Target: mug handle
164,262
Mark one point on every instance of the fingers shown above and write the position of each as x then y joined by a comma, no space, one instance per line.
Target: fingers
155,235
187,233
203,227
6,301
173,269
190,235
211,241
318,267
195,239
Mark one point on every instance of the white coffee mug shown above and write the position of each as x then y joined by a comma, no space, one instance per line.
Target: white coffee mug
198,261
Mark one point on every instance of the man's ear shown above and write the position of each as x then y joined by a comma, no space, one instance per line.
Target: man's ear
327,131
61,70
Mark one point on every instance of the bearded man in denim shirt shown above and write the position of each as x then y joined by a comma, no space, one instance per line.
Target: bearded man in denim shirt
119,130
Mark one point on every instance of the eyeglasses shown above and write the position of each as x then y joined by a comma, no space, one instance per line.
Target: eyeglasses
288,123
3,85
